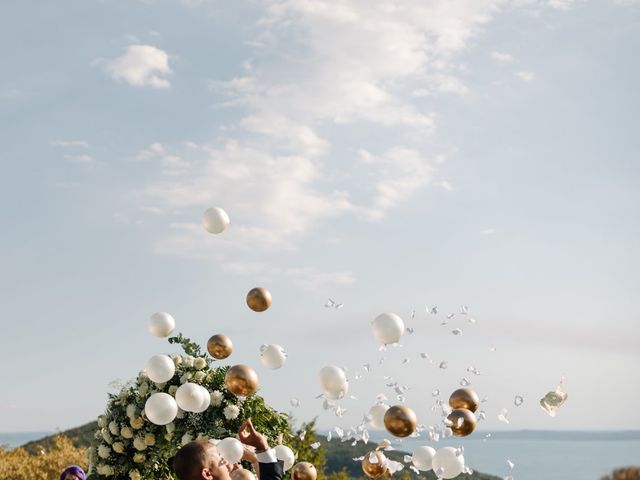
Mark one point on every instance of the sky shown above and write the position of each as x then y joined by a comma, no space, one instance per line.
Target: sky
386,155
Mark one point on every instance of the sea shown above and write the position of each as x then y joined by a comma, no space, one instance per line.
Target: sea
536,455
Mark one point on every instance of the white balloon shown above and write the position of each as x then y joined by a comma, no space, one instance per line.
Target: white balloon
388,328
334,382
230,449
285,454
422,457
215,220
161,324
206,400
273,356
190,397
160,368
377,415
446,463
160,408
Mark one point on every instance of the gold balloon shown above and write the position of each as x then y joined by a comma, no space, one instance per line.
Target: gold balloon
400,421
219,346
304,471
464,398
259,299
375,470
463,422
241,380
242,474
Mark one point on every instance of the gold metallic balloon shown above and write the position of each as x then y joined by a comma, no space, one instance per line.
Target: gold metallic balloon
219,346
464,398
259,299
241,380
242,474
375,470
400,421
463,422
304,471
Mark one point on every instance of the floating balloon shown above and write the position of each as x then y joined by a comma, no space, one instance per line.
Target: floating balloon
242,474
464,398
160,408
388,328
273,356
285,454
259,299
304,471
447,462
161,324
219,346
378,467
422,457
215,220
206,400
190,397
241,380
334,382
377,415
400,421
463,422
230,449
160,368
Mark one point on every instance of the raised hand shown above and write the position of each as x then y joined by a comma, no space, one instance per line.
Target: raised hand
250,436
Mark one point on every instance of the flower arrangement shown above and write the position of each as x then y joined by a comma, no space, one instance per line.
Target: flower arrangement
128,446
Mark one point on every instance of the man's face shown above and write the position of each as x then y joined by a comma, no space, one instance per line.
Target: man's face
216,467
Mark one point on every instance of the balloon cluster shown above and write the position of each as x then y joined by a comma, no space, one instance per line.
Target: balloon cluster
462,419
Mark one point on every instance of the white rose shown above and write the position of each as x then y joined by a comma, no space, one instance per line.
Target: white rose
216,398
144,389
137,423
160,386
126,432
114,428
106,437
106,470
199,363
168,436
199,376
173,389
139,458
135,475
231,412
185,378
104,451
186,438
177,360
132,410
171,427
150,439
118,447
102,421
189,361
138,443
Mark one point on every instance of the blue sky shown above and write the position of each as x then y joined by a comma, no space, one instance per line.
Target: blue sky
479,153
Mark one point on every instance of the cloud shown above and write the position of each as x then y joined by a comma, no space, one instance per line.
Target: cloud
525,76
488,231
70,143
87,160
141,66
502,57
172,165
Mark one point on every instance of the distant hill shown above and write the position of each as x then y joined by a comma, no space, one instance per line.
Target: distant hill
80,436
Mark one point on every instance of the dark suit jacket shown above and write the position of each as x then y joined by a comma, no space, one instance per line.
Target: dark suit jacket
272,471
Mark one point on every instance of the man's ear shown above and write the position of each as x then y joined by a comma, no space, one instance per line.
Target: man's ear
206,474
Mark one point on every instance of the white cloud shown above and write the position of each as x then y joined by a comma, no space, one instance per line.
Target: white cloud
525,76
141,66
86,160
172,165
70,143
502,57
488,231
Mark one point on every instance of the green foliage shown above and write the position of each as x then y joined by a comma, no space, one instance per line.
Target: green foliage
301,441
190,347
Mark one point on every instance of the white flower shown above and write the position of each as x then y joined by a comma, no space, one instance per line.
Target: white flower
150,439
104,451
185,378
106,470
118,447
126,432
135,475
114,428
216,398
160,386
138,443
171,427
177,360
189,361
102,421
231,412
139,458
173,389
132,410
106,437
199,376
137,422
168,436
186,438
180,413
199,363
144,389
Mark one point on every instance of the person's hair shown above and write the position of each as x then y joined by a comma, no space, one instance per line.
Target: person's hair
75,470
191,459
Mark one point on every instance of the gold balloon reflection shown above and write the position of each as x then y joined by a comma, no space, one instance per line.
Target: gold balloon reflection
464,398
219,346
241,380
400,421
259,299
463,422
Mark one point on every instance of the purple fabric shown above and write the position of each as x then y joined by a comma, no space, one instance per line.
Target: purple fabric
75,470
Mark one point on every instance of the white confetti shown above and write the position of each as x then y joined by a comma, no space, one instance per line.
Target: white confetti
443,365
405,361
456,331
435,393
502,416
510,464
315,445
294,402
465,382
518,400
